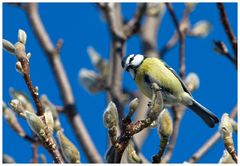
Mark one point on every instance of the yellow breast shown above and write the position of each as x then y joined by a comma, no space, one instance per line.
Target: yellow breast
160,74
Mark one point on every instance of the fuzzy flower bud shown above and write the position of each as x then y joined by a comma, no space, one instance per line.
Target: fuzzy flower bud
47,104
35,123
110,115
29,56
69,151
192,81
225,127
132,156
96,59
89,80
8,159
22,36
165,123
17,107
23,98
49,119
19,68
12,120
201,29
36,89
8,46
226,158
133,107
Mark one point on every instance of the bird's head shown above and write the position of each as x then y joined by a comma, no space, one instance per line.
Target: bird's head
132,62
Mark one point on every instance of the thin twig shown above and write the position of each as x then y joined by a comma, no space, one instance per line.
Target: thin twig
211,141
221,48
181,40
227,28
63,84
183,25
34,153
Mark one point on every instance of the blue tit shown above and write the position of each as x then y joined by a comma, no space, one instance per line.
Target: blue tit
146,71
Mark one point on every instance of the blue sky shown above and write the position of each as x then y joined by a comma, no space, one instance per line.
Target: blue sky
81,25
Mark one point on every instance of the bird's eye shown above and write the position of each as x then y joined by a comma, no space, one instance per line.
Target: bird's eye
131,59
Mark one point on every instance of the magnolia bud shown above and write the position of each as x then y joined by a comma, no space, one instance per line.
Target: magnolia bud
69,151
165,123
226,158
8,159
89,80
23,98
225,126
96,59
132,156
17,106
192,81
48,105
201,29
12,120
36,90
49,119
29,56
22,36
19,68
8,46
110,115
133,106
35,123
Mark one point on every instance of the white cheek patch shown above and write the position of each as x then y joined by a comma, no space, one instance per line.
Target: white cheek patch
137,60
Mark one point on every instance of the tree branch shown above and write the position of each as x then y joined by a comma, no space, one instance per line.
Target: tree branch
227,28
63,83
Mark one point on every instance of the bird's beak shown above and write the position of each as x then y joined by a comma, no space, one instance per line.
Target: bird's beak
127,67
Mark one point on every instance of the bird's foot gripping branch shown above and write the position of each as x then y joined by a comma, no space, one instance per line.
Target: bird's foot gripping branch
120,136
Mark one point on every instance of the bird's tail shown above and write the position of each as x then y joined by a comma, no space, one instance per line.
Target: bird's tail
209,118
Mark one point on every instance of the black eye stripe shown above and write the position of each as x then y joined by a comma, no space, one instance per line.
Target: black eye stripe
131,59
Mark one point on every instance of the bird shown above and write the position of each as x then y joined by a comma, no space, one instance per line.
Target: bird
148,70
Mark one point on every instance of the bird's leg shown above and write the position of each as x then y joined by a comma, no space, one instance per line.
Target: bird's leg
155,89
